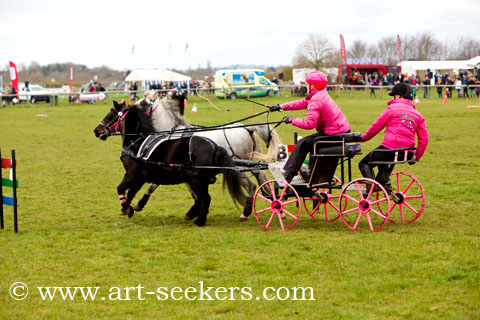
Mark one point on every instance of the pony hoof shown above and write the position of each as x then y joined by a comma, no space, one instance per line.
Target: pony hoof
137,208
127,212
188,218
243,217
199,222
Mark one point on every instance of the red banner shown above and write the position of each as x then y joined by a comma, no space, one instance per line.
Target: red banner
399,46
13,76
342,48
71,78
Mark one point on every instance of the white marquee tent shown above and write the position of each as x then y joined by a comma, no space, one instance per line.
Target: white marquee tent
412,67
156,75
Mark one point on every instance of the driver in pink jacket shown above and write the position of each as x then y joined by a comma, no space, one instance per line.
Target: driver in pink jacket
323,115
402,122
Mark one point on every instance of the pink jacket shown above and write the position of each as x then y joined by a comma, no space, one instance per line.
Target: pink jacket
403,121
323,114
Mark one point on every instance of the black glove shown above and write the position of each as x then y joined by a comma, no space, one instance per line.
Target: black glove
276,108
288,120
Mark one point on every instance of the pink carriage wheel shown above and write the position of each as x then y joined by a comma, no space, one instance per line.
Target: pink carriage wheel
409,198
323,199
360,198
281,207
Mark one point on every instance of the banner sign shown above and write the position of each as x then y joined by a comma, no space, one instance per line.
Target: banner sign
71,78
365,61
342,48
399,46
13,76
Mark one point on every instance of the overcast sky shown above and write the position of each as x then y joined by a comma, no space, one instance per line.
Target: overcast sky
138,33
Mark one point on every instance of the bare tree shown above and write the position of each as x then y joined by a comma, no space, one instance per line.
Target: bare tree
357,50
387,49
462,49
316,52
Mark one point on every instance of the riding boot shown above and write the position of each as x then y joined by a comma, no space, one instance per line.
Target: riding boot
367,172
288,176
305,172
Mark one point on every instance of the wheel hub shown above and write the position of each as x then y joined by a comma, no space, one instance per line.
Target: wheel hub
364,206
276,206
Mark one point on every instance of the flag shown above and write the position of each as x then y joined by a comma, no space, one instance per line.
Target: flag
133,48
186,46
71,78
169,47
13,76
342,48
399,47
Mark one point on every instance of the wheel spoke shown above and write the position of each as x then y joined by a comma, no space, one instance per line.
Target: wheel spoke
289,214
269,221
281,221
410,207
401,214
283,193
414,197
379,200
263,210
358,189
398,182
408,187
264,198
290,202
358,221
333,206
272,190
381,215
349,211
351,198
369,222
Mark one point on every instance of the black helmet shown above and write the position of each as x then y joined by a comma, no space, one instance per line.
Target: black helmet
403,89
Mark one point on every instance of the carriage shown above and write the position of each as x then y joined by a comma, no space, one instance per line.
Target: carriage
275,201
359,203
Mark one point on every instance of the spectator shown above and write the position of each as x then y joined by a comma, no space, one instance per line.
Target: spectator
426,83
465,82
458,87
133,91
439,88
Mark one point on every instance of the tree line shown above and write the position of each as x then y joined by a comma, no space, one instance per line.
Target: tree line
316,51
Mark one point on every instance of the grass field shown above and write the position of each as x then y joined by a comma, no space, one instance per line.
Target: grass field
71,234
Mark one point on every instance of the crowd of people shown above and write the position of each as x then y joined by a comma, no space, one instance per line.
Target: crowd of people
464,83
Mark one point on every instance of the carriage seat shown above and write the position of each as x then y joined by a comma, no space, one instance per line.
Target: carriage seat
400,155
339,145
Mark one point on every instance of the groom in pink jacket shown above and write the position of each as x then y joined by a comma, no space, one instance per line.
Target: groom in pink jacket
402,122
323,115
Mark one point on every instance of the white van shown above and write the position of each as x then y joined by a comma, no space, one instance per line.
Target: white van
241,83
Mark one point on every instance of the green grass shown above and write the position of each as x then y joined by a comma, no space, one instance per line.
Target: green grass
71,233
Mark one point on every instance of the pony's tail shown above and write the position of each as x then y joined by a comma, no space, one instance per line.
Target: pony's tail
231,179
271,139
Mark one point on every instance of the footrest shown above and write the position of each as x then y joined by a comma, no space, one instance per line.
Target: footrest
276,170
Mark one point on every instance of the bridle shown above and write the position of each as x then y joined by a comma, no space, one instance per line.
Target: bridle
112,125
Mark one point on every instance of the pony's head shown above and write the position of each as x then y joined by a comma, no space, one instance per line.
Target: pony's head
163,114
111,122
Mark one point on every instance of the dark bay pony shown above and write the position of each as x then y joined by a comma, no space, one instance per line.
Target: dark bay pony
167,159
240,141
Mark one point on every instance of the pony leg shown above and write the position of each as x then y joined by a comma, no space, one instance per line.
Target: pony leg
250,188
192,213
132,191
143,201
202,203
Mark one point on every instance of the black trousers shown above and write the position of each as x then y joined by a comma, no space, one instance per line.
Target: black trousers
384,170
303,147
